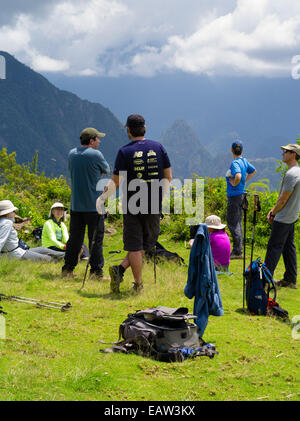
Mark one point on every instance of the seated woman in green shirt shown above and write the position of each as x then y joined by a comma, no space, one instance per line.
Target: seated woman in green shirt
55,233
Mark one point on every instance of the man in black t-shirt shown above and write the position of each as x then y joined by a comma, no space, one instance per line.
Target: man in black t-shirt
145,169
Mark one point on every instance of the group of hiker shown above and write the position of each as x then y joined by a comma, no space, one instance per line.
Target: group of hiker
147,169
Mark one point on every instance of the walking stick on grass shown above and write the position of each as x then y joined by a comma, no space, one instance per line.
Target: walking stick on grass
91,251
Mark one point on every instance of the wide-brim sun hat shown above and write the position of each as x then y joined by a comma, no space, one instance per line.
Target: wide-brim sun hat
56,205
213,221
6,207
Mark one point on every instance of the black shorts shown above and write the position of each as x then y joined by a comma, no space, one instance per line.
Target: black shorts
140,232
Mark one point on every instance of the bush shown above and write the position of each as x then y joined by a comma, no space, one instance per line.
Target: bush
215,203
32,193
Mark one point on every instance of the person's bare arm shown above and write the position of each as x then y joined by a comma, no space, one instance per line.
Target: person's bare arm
280,204
249,176
235,181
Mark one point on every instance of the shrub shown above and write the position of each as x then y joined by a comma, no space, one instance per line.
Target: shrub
32,193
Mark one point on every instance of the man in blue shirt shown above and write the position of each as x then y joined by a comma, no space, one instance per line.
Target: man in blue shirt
239,173
145,167
86,166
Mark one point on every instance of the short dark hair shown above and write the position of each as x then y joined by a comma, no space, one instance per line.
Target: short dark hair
238,150
237,147
137,131
86,140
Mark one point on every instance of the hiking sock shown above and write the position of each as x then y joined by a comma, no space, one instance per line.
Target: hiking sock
121,270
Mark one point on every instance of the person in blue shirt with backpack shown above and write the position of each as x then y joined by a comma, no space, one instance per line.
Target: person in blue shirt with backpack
239,173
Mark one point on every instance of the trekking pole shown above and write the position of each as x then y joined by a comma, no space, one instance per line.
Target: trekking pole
155,263
91,251
245,209
256,209
34,300
38,303
113,253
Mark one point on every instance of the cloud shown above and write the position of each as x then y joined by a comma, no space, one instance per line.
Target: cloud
138,37
255,39
47,64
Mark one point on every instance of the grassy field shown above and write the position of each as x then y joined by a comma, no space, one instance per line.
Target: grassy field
54,356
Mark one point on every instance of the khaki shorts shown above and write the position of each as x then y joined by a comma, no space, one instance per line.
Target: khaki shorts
140,232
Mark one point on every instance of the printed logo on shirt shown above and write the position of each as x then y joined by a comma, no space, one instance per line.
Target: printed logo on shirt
138,154
138,162
139,175
151,153
139,168
152,160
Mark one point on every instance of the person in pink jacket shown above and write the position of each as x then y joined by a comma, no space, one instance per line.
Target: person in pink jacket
219,242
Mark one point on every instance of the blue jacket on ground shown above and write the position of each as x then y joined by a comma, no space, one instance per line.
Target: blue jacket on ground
202,280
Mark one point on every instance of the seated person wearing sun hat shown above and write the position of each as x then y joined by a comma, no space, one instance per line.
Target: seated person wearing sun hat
219,242
9,241
55,233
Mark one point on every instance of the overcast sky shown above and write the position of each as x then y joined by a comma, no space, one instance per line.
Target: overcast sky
146,38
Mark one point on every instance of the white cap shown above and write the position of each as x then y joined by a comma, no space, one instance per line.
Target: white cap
56,205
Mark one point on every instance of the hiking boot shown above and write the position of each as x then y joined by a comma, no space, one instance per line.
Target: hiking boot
67,273
116,277
236,256
137,288
80,253
286,284
98,275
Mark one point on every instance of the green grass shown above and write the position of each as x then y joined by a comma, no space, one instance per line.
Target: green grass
50,355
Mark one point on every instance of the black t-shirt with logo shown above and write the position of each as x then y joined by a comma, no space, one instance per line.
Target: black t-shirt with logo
142,162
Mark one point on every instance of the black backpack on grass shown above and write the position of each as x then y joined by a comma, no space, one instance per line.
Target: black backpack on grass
37,233
163,333
259,284
161,253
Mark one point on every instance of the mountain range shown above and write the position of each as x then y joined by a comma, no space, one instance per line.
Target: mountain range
36,115
263,112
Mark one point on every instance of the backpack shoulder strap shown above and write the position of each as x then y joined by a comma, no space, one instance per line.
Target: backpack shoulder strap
269,278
